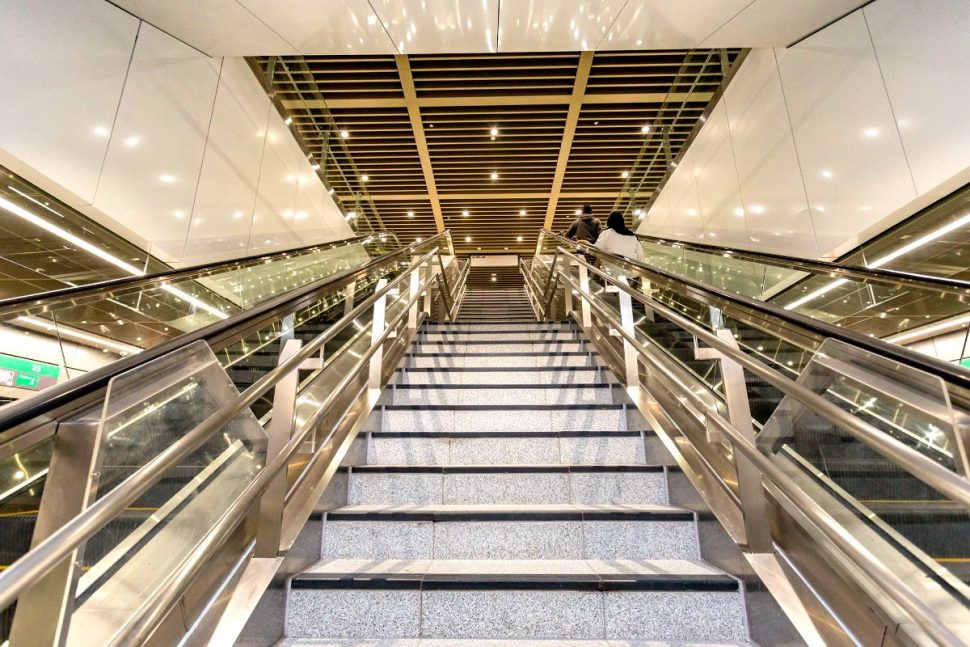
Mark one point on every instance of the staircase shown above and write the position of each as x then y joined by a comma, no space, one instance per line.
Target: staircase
508,492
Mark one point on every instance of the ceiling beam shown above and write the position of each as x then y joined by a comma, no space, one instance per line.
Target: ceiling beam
512,100
525,195
569,131
417,127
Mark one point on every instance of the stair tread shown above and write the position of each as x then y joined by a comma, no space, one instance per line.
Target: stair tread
476,642
490,510
563,570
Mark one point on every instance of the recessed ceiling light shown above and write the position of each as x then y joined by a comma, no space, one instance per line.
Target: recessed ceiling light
645,129
315,167
494,279
332,191
518,238
494,131
288,121
344,134
364,178
465,213
468,239
625,174
419,240
827,174
579,212
494,175
410,214
521,212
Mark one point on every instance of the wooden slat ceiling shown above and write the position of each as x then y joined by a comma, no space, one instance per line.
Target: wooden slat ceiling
408,142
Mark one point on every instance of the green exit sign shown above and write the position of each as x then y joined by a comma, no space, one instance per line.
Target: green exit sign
965,362
26,373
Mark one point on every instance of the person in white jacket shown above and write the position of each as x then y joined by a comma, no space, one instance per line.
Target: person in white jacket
618,239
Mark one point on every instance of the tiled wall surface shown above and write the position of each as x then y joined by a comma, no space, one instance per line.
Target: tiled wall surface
815,148
181,153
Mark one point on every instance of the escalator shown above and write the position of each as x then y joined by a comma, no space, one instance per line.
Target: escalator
916,401
243,313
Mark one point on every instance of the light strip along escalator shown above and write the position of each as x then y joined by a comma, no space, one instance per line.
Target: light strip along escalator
880,462
266,300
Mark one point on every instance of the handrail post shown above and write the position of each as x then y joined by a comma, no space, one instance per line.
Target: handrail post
278,434
349,298
629,352
584,288
44,611
415,287
377,329
754,505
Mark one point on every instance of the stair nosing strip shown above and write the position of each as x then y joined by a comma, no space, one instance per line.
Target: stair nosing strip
511,434
504,469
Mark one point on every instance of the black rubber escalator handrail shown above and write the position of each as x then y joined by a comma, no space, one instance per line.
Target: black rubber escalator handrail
52,297
944,370
48,401
935,283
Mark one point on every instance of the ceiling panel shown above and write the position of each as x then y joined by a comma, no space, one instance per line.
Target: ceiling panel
334,26
779,23
661,24
440,25
543,25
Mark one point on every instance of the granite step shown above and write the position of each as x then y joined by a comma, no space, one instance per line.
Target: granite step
464,642
672,600
511,418
501,376
466,336
506,484
535,326
516,448
503,347
509,360
510,532
499,394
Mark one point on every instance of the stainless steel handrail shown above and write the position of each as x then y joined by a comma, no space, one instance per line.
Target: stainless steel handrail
914,462
20,575
878,275
699,291
925,469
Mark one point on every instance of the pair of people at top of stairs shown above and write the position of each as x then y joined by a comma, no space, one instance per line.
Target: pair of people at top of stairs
615,239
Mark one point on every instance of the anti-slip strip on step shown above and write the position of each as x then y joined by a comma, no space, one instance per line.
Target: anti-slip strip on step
493,369
509,434
499,582
503,407
559,387
563,354
504,469
483,516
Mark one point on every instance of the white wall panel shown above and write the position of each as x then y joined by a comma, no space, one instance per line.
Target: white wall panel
855,171
64,64
276,195
448,26
315,26
773,197
226,196
715,175
678,214
152,168
661,24
542,25
923,50
778,23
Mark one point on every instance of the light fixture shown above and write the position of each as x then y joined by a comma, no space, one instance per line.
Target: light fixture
419,240
494,131
410,214
494,279
465,213
288,121
468,239
882,260
739,212
332,191
871,132
579,212
757,208
178,213
132,141
625,174
238,214
518,238
928,330
645,129
494,175
827,174
638,212
101,131
344,134
364,178
521,212
166,178
315,167
78,335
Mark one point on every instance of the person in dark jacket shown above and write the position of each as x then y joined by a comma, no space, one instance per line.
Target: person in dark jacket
586,228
